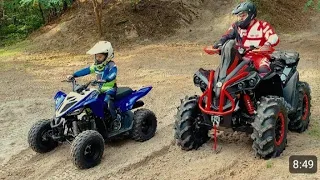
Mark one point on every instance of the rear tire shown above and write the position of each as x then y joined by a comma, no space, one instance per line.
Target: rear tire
39,139
270,127
189,134
176,124
299,121
87,149
144,125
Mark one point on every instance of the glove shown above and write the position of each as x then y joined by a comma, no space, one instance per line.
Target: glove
97,82
217,45
267,44
70,77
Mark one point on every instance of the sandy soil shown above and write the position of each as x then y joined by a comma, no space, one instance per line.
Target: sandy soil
29,81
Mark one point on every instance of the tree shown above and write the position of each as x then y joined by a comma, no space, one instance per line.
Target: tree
18,18
97,8
312,3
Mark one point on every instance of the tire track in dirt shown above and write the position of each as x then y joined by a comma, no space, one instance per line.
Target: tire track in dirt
141,163
51,164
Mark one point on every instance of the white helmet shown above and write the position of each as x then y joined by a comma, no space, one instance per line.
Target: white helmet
102,47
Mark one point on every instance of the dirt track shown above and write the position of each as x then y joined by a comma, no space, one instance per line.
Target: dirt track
29,81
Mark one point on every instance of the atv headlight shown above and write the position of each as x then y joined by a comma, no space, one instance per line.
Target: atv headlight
76,112
241,85
252,82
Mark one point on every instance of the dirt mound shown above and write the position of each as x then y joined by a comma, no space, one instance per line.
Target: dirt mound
122,23
285,16
157,20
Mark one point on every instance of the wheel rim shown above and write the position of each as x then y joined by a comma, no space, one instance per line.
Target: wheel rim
279,130
45,137
305,107
198,134
92,152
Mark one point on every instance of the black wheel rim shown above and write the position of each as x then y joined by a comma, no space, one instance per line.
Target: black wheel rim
198,133
45,137
92,152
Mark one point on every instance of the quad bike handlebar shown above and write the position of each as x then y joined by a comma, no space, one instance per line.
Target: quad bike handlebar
78,88
252,49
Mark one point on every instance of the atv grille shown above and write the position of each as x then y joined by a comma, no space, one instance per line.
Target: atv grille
67,106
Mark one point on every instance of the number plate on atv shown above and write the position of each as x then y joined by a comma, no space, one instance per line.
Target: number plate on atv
215,120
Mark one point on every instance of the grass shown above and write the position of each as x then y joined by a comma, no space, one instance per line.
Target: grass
13,49
269,164
314,131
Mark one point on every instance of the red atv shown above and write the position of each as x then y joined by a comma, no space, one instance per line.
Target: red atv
236,96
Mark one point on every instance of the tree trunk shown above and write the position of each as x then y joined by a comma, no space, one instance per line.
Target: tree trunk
1,9
97,8
42,14
65,6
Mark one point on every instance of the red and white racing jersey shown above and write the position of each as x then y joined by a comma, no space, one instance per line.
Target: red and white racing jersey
259,33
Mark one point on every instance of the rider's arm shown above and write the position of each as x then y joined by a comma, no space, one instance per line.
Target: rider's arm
271,37
112,74
230,34
85,71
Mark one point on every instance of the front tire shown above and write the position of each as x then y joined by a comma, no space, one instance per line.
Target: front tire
87,149
39,138
144,125
270,127
299,121
188,133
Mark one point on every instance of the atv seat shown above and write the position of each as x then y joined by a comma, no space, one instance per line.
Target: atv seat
287,57
122,92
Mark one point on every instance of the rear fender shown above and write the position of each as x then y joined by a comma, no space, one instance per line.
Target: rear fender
128,102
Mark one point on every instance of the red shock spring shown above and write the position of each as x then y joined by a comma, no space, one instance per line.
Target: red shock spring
248,103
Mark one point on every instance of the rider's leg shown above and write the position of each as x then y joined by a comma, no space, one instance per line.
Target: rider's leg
263,66
109,101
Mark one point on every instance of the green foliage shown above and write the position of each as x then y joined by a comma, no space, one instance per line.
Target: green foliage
314,131
24,16
269,164
312,4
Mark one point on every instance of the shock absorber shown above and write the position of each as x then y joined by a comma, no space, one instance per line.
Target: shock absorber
248,103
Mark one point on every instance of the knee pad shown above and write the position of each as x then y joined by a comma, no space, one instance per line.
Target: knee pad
264,69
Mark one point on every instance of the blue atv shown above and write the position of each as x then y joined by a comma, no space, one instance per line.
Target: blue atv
82,118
